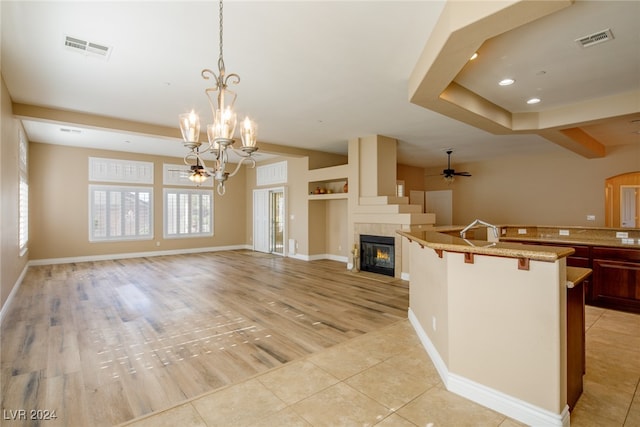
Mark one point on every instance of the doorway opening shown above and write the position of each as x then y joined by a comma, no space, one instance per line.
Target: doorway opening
269,220
629,204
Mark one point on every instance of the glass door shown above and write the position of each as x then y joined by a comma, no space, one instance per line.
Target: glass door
277,221
269,220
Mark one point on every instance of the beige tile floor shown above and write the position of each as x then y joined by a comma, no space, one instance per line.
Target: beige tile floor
385,378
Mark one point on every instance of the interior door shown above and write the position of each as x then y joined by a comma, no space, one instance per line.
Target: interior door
261,221
628,206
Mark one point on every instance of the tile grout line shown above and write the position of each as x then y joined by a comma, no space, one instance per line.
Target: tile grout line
633,397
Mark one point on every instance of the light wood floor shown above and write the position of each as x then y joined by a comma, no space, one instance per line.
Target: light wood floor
101,343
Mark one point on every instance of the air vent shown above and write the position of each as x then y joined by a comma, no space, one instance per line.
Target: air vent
86,47
595,38
69,130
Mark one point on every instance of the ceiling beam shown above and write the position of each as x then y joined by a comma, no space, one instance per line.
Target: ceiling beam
75,118
78,119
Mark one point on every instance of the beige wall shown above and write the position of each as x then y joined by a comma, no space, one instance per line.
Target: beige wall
561,188
298,206
11,263
377,166
336,240
503,330
59,207
412,176
513,323
428,297
317,227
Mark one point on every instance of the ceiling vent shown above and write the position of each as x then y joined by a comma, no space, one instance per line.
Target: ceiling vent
70,130
595,38
86,47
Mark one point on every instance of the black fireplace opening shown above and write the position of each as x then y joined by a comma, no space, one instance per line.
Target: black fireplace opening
377,254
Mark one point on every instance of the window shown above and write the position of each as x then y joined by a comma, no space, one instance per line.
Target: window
188,213
23,202
120,213
121,171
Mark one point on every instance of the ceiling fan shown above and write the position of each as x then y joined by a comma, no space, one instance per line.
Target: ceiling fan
196,173
450,174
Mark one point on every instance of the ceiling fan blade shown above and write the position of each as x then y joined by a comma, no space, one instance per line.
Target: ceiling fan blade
462,173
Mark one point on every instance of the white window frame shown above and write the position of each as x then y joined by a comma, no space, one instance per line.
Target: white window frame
179,224
23,193
120,171
110,235
270,174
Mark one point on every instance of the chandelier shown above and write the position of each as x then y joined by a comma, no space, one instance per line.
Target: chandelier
220,132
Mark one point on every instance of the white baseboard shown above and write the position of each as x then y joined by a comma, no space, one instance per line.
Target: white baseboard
493,399
439,364
338,258
505,404
107,257
301,257
12,294
321,256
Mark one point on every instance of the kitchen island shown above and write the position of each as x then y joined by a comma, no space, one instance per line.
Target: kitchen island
493,318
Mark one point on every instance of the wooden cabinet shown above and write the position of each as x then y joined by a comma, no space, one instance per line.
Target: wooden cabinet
616,278
576,360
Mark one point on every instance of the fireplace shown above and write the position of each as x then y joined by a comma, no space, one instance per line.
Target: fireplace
377,254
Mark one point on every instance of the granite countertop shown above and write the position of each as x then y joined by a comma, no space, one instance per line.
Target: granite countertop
437,239
576,275
588,236
575,241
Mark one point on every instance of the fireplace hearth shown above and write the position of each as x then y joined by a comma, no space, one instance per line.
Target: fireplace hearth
377,254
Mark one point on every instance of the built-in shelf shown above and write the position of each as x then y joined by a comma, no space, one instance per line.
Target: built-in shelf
330,196
330,181
327,187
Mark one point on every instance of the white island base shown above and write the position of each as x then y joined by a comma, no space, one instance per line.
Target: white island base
493,320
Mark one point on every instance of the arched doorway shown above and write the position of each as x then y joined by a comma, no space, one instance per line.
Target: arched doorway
622,200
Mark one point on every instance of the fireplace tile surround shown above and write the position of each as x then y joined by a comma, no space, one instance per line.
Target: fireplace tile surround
386,230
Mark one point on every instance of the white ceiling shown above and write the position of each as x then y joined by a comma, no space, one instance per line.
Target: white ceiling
314,73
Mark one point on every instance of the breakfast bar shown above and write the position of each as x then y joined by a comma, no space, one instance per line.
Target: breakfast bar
493,317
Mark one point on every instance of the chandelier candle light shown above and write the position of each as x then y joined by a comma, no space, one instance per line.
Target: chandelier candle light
220,133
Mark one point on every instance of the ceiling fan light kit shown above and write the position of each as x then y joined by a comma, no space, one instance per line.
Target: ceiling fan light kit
220,133
449,174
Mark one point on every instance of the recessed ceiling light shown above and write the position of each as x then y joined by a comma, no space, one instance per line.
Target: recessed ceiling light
533,101
474,56
506,82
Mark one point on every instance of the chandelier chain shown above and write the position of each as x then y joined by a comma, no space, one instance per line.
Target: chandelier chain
220,58
220,133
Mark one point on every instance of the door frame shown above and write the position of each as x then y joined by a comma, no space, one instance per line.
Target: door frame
269,230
